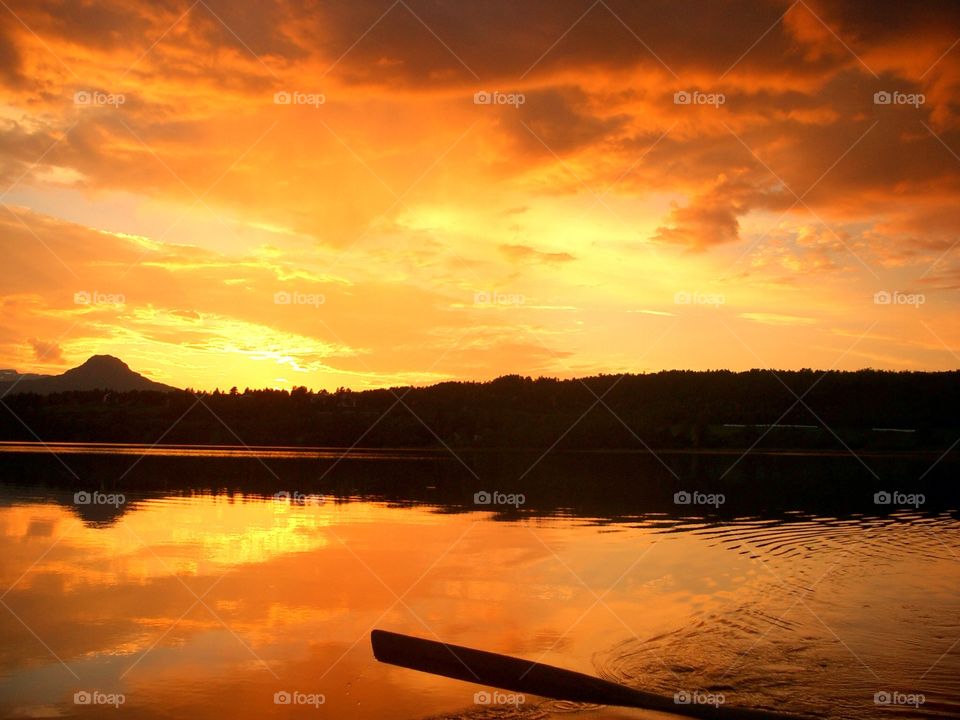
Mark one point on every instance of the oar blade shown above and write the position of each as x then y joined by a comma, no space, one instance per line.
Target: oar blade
502,671
528,677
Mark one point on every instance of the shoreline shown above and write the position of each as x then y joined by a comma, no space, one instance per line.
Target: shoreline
418,453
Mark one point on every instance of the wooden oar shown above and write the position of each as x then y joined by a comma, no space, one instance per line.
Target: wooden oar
525,676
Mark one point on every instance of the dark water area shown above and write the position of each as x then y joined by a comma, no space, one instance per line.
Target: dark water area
607,485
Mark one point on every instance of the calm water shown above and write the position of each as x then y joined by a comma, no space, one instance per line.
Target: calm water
206,605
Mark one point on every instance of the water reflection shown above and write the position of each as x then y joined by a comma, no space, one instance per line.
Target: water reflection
205,604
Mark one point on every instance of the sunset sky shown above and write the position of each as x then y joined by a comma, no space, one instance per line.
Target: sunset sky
366,193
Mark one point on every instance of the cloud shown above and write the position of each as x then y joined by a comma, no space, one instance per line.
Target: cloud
10,61
557,121
661,313
425,43
775,319
710,218
942,278
47,351
525,253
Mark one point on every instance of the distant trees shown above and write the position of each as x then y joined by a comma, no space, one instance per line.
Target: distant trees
667,409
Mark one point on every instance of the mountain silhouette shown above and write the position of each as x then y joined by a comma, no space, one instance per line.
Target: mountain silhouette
100,372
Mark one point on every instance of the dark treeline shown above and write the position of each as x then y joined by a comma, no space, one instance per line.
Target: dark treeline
675,409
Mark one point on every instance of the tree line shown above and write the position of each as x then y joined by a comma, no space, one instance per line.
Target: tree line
670,409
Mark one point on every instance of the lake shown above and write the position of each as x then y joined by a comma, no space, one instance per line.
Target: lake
199,593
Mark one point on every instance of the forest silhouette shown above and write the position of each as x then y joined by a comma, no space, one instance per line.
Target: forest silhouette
835,410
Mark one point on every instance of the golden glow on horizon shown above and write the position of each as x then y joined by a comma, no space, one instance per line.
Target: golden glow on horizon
399,233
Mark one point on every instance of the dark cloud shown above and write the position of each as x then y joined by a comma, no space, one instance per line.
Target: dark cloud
438,43
10,61
47,351
881,20
557,121
710,218
261,29
430,43
103,24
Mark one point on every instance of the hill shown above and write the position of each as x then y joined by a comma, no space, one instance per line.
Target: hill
100,372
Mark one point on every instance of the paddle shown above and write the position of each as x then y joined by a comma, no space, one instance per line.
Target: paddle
525,676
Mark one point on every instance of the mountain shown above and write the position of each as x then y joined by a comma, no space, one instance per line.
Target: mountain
100,372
